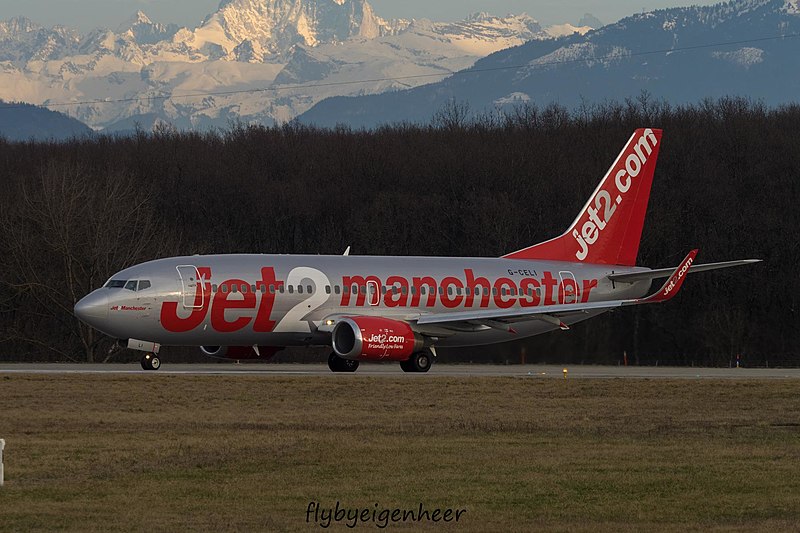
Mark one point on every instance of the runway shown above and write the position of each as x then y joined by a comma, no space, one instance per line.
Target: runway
390,370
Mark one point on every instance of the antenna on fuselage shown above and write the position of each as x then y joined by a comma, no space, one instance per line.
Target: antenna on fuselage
347,252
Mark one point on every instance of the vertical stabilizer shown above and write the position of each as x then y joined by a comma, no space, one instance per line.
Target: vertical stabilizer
609,228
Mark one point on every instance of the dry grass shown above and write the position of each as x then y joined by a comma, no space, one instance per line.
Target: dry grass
162,453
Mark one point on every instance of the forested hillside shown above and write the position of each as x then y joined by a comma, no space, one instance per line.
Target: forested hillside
73,213
22,122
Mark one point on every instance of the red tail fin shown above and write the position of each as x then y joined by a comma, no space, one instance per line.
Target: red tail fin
609,228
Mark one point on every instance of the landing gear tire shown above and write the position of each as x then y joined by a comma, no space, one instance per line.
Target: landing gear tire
419,362
338,364
151,362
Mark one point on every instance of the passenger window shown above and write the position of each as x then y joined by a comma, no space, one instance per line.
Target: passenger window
494,291
144,285
384,289
281,289
422,290
272,289
336,289
224,289
363,289
310,289
450,290
299,289
441,290
404,290
245,288
131,286
327,289
458,291
413,290
214,288
253,288
291,289
347,289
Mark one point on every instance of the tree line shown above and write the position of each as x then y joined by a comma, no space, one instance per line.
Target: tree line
74,212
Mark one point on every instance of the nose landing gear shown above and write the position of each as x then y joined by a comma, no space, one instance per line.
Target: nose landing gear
150,362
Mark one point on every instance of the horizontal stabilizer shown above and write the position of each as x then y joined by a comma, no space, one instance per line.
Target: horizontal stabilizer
664,272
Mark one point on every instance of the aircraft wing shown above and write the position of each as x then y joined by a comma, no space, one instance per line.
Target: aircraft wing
664,272
493,317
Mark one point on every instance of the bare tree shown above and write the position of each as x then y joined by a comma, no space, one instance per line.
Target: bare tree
67,232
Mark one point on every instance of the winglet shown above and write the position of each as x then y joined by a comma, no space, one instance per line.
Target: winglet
674,283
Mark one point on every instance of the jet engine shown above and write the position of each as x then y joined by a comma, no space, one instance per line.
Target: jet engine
375,338
240,352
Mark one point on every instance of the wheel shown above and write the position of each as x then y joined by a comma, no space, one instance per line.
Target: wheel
348,365
337,364
150,362
420,362
333,362
406,366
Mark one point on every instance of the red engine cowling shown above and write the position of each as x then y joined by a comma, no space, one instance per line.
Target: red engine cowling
242,353
375,338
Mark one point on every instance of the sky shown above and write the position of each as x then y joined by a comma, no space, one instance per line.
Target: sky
89,14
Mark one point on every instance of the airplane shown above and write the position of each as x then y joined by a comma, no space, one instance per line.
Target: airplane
400,309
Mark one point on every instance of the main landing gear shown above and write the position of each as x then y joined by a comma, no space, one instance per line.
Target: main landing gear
339,364
419,362
151,362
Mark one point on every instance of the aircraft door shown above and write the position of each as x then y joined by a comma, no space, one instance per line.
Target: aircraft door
373,293
567,288
192,293
145,296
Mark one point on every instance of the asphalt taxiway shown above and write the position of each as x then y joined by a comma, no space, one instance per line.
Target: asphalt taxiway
393,370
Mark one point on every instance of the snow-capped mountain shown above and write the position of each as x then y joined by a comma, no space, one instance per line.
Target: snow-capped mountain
676,54
141,30
271,27
21,40
253,54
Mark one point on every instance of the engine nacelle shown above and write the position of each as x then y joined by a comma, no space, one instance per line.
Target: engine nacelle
240,352
375,338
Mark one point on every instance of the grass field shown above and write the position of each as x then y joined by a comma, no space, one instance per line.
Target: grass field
167,453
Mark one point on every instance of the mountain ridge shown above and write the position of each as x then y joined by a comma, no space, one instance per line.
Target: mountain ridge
613,62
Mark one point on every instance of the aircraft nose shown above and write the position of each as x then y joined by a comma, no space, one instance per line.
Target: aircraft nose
92,307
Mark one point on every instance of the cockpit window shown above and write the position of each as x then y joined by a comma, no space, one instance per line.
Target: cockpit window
131,285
